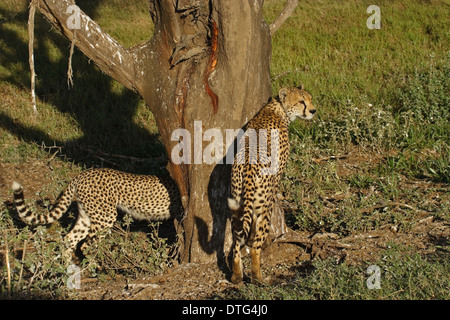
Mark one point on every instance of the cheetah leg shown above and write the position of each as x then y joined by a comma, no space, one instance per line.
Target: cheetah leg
256,264
238,275
110,216
78,232
237,226
261,230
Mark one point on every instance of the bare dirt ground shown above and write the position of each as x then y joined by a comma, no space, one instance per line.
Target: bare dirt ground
281,260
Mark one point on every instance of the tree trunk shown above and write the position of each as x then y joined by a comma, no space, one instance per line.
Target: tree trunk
207,66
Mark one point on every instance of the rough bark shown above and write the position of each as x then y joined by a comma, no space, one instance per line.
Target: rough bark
207,61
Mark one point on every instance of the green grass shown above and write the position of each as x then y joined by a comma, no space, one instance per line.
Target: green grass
404,275
382,132
326,44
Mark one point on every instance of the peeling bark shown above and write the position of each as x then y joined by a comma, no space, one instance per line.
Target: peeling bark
111,57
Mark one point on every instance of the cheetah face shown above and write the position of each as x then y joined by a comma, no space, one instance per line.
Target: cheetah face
297,103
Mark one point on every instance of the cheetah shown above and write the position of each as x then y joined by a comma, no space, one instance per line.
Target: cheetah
99,193
253,185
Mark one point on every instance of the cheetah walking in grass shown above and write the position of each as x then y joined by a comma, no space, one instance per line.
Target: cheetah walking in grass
99,193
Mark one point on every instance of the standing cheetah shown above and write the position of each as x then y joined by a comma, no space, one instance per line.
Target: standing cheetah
99,193
254,183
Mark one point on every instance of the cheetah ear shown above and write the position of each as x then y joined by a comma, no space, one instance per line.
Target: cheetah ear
282,94
301,87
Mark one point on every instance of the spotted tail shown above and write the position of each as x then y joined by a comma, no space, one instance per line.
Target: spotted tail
28,216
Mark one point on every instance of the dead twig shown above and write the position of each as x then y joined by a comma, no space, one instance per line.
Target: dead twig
320,239
282,17
8,268
38,266
294,237
329,239
340,245
31,53
51,159
69,67
282,74
3,249
23,263
387,204
404,205
320,160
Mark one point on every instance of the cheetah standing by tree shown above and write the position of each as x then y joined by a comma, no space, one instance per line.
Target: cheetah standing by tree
254,182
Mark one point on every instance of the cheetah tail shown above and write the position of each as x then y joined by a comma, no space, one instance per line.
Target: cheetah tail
240,221
30,217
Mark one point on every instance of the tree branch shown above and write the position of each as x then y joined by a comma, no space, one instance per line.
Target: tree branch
111,57
282,17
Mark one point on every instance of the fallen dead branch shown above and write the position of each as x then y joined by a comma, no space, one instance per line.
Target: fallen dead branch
4,250
385,205
325,159
294,237
328,239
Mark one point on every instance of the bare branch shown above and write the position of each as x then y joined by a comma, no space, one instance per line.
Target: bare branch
31,54
111,57
286,13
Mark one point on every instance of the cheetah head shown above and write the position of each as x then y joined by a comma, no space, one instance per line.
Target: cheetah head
297,103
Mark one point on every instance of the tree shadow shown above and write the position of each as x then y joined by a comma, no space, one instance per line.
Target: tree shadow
103,109
220,178
218,194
